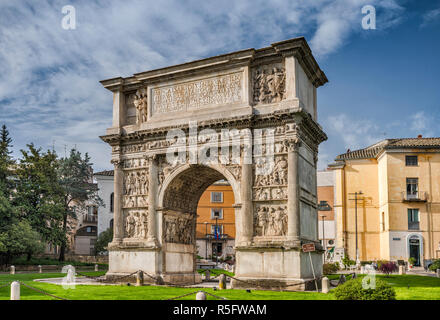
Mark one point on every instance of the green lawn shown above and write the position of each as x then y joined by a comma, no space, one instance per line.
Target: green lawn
419,288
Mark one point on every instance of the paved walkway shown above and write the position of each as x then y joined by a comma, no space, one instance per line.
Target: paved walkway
89,281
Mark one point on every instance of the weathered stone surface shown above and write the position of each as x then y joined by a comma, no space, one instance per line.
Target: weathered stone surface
267,94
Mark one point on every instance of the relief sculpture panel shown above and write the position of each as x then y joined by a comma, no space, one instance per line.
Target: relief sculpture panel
219,90
136,224
179,228
270,220
269,83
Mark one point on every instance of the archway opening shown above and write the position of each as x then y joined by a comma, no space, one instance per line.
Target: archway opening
198,220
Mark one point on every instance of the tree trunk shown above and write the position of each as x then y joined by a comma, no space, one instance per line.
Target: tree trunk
64,242
29,256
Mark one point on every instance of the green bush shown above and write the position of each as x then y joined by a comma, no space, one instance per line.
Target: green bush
412,261
347,262
364,263
330,268
435,265
103,240
352,290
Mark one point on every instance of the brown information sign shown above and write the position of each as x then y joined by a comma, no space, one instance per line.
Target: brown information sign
308,247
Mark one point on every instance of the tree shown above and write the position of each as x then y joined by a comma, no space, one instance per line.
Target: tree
103,240
38,197
19,238
388,267
6,161
75,176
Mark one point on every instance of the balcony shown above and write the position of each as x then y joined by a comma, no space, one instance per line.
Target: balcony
413,225
211,236
89,218
418,196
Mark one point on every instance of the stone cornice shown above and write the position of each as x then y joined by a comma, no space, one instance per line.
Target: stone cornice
297,47
310,131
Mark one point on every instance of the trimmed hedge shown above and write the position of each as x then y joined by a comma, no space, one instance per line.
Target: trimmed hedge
352,290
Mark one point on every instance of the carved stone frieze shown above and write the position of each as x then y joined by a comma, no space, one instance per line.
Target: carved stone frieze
179,228
218,90
270,220
141,103
136,224
269,83
136,182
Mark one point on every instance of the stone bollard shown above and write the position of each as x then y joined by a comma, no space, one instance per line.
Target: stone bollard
40,269
200,295
222,282
402,270
325,285
207,275
96,267
15,290
139,278
12,269
438,273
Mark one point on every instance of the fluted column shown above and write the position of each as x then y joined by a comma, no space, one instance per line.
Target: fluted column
152,193
293,191
118,216
247,221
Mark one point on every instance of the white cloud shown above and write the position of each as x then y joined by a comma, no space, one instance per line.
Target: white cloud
49,87
430,17
422,124
354,133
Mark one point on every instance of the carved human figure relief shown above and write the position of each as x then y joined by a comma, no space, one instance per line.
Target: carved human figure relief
271,220
141,103
179,229
269,83
136,224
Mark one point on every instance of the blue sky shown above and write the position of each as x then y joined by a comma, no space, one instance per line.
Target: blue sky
383,83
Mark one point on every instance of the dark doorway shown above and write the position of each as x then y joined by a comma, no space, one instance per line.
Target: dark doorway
414,250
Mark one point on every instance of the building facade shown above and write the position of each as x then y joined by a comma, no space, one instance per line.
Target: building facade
394,186
326,217
105,182
215,231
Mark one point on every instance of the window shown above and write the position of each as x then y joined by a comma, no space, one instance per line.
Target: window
112,199
92,210
412,188
216,196
413,219
216,213
411,160
111,224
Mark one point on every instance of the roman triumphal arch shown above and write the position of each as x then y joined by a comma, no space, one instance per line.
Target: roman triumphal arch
249,117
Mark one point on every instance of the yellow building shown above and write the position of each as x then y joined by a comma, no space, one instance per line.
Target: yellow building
215,211
398,212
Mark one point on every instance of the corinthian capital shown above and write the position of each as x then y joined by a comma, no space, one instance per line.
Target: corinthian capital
118,163
292,144
151,158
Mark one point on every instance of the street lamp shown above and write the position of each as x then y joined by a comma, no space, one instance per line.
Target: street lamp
356,223
206,240
216,244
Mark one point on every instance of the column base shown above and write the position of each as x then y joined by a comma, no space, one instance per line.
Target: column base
276,284
276,267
